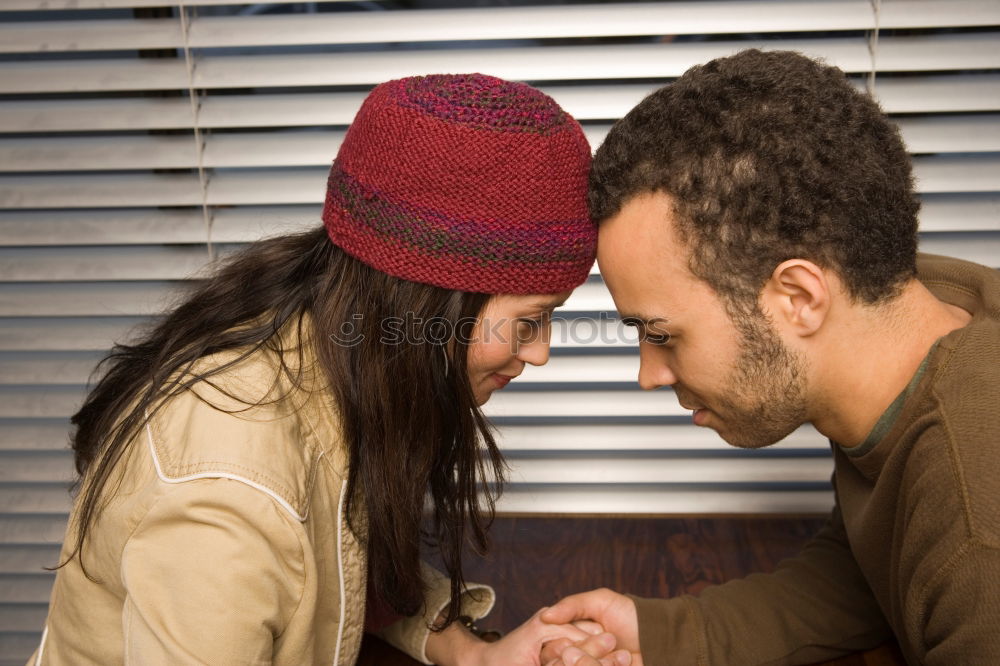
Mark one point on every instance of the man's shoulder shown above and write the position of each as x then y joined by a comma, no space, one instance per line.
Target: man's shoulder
966,369
965,364
968,285
965,393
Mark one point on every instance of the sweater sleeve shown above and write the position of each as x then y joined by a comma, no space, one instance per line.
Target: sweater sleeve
211,574
410,633
959,610
814,606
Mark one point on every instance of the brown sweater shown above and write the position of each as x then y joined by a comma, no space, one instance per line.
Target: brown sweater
913,544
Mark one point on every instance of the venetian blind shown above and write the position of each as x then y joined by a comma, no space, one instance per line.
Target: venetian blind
140,139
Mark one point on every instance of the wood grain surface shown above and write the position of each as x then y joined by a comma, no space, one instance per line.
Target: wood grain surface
537,560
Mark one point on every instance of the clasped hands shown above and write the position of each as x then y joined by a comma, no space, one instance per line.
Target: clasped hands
596,628
611,619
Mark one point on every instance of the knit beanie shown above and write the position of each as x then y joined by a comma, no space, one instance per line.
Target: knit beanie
466,182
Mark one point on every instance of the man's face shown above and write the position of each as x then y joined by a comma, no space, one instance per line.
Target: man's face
735,372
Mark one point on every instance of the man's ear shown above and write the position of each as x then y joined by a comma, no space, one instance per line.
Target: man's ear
797,296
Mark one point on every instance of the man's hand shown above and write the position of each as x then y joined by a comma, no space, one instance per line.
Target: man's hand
614,612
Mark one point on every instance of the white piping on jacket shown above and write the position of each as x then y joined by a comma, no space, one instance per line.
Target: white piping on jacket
340,571
217,475
41,646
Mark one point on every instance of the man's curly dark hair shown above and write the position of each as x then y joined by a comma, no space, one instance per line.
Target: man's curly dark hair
769,156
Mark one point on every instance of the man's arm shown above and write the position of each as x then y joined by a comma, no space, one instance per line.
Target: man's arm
959,611
815,606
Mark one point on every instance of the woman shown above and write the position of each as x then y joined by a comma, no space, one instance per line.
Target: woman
256,467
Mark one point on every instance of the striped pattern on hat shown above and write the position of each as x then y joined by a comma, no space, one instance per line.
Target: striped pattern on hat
465,182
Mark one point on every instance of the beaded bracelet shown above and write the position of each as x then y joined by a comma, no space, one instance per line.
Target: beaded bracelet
487,635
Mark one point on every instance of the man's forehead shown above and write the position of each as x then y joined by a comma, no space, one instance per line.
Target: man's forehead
546,301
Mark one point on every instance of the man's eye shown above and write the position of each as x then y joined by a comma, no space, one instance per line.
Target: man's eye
656,338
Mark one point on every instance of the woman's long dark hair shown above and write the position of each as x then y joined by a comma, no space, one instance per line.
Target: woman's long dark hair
408,414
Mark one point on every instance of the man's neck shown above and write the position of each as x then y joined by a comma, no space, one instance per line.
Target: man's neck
872,356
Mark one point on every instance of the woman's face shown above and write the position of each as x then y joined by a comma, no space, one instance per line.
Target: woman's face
512,331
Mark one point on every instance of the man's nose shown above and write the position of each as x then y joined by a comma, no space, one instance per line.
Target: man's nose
654,371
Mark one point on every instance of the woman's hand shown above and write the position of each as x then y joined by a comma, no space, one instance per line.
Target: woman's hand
456,646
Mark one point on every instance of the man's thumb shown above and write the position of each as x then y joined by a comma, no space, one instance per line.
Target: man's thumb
563,612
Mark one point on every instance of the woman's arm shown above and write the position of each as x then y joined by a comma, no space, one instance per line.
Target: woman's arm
211,574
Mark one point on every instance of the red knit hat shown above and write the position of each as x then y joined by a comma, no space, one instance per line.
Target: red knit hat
466,182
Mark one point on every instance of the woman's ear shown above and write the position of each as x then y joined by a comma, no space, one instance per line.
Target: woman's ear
797,296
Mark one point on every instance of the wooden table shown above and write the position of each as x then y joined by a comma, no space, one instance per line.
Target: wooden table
647,556
376,653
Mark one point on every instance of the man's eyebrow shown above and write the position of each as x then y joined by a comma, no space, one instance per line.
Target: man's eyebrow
640,319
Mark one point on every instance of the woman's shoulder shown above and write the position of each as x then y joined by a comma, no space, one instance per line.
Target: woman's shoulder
252,420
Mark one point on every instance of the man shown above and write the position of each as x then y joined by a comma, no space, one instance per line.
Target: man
757,221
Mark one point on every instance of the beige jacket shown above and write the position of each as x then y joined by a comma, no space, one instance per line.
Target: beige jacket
226,542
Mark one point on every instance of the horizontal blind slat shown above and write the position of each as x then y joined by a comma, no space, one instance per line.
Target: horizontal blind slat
949,134
88,191
600,469
19,645
39,319
25,589
40,402
979,247
27,559
90,35
85,333
62,299
103,153
22,617
74,367
512,403
490,23
58,264
48,467
53,473
183,262
939,52
10,5
958,212
69,115
36,494
148,226
629,498
51,402
34,435
957,173
32,530
61,367
673,438
302,185
938,93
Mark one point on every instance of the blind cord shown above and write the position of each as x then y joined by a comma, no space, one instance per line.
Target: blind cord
195,97
873,45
